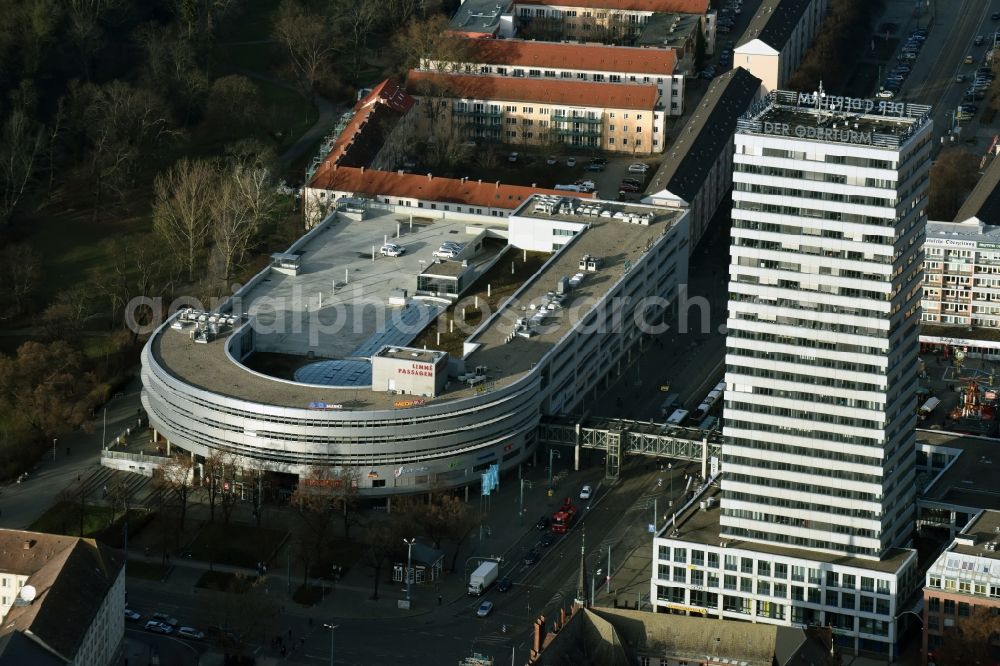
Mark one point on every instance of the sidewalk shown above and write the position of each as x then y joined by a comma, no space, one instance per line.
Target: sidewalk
78,455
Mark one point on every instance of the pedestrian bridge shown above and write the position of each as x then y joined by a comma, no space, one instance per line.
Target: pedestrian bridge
619,437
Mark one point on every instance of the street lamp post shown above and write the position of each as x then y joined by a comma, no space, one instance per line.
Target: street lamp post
54,440
593,581
409,566
331,627
520,510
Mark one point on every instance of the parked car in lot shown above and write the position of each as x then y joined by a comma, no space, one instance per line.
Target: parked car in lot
628,187
392,250
586,185
638,167
484,609
595,166
885,94
165,619
512,157
159,627
571,161
969,108
445,253
632,181
551,160
190,632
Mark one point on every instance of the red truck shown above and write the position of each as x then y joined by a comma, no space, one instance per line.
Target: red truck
563,517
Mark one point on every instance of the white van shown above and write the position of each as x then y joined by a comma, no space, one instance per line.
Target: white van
568,188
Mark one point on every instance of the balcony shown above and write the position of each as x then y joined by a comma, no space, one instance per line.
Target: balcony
478,113
577,119
594,132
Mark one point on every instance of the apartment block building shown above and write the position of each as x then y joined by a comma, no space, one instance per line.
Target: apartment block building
779,34
615,117
572,62
618,21
818,464
962,594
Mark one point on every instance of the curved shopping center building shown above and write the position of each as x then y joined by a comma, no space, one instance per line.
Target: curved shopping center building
328,366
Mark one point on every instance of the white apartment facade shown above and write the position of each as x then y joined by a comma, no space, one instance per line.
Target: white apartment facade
819,467
823,324
573,62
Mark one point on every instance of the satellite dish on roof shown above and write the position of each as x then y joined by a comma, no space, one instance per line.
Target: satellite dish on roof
28,593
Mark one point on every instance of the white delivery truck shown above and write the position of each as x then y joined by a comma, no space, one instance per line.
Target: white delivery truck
928,407
484,576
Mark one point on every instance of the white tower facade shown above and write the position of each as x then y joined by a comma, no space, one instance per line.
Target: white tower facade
829,199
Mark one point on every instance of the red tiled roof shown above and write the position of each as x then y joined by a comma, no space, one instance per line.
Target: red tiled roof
363,135
542,91
592,57
428,188
663,6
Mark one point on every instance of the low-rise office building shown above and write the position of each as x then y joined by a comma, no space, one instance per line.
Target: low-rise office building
776,41
963,589
615,117
576,62
347,383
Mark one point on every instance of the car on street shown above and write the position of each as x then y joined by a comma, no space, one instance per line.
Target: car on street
159,627
885,94
586,492
191,632
543,523
484,609
960,78
512,157
392,250
995,16
638,167
571,161
503,585
547,540
979,40
531,558
551,160
131,615
165,619
969,60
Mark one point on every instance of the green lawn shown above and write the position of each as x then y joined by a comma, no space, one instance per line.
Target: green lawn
240,545
64,518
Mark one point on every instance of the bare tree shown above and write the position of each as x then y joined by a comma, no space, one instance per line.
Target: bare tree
969,641
213,477
309,40
356,19
244,201
20,145
176,477
181,208
346,496
21,268
383,540
432,43
314,501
